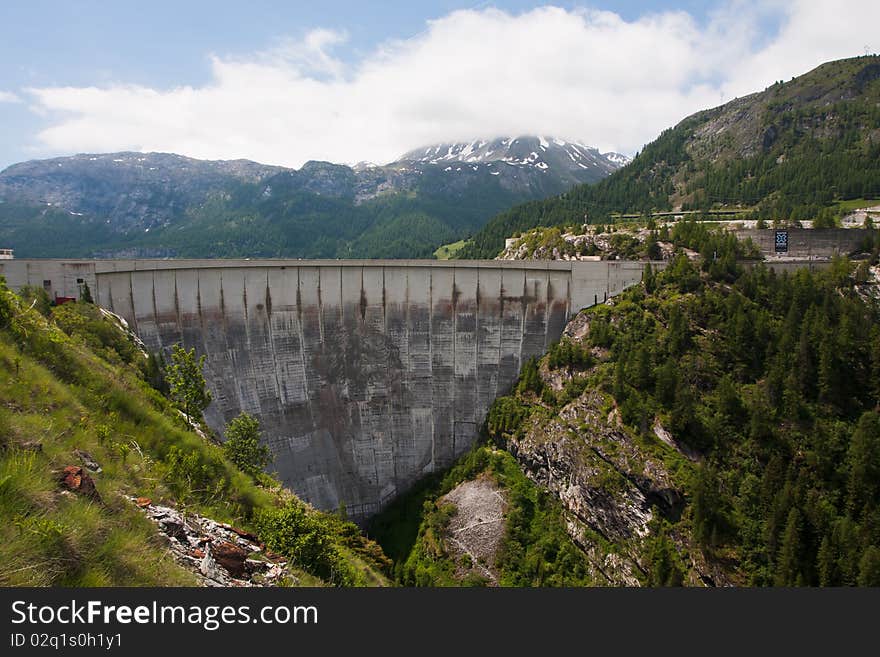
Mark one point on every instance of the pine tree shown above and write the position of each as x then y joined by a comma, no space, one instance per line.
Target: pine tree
86,295
729,403
788,571
706,507
864,465
875,365
666,383
677,334
642,375
530,378
153,369
663,569
805,362
869,567
619,389
826,563
649,278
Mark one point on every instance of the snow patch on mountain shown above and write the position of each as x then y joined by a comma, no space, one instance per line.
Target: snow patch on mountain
617,158
565,158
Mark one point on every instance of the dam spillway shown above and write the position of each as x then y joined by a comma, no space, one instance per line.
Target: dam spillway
365,375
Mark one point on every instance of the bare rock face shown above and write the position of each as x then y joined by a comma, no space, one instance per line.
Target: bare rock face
476,528
596,468
605,480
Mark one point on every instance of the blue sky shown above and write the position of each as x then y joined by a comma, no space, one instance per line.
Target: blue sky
93,76
162,42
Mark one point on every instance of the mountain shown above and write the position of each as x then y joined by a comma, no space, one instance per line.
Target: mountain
157,204
131,190
790,152
568,162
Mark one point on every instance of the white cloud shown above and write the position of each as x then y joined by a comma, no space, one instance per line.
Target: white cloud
813,32
8,97
578,74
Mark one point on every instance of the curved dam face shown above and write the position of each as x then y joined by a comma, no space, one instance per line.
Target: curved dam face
365,375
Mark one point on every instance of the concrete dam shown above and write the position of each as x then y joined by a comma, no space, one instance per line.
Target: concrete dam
365,375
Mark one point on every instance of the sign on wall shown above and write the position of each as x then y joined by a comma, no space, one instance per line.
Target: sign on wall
781,242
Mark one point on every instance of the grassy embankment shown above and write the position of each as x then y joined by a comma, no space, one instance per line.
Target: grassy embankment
83,388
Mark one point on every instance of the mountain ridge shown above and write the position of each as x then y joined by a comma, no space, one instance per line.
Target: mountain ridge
165,204
789,152
538,151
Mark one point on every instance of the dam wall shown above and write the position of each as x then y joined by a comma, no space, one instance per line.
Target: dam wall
806,243
365,375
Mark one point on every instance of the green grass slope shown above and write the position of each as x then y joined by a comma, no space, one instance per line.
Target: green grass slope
74,381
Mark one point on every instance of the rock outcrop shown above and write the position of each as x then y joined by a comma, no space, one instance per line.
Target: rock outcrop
217,553
74,478
597,469
605,480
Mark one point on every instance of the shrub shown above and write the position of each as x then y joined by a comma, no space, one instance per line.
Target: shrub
37,297
99,332
530,378
307,539
505,417
191,477
567,353
242,445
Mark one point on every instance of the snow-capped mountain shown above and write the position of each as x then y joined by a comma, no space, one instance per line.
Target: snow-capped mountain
618,159
569,161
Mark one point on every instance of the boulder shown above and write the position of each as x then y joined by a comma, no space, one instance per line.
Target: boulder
208,567
174,529
230,556
87,460
245,534
75,479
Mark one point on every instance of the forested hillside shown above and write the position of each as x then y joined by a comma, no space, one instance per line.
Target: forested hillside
768,385
789,152
715,425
